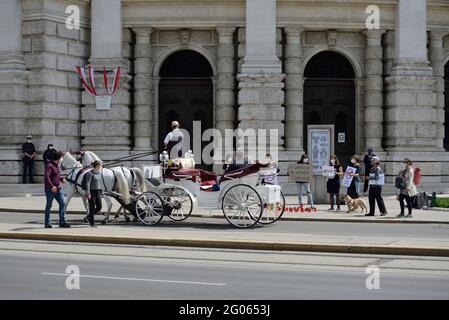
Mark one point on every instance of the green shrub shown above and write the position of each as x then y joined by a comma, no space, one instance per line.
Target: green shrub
442,202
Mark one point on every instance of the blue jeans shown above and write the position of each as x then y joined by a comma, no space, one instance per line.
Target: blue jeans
304,187
59,196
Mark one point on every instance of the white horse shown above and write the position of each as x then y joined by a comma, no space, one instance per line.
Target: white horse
112,181
134,175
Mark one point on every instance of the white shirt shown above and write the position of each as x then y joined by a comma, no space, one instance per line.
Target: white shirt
173,136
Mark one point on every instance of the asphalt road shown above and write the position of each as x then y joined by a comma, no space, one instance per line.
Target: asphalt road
414,231
37,270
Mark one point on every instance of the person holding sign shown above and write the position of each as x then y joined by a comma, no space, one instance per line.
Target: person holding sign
304,185
376,180
353,189
333,184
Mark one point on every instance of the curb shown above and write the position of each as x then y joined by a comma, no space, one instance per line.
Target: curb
284,217
235,244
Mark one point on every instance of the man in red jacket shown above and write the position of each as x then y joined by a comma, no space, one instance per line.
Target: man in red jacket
53,190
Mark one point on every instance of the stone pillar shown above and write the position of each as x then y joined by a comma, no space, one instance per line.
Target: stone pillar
436,53
108,132
225,115
13,91
106,24
260,95
293,90
410,114
411,121
373,90
143,66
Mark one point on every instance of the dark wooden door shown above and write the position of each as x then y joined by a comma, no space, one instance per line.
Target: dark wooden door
332,102
186,101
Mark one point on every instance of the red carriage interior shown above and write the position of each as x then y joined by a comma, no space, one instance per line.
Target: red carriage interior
207,179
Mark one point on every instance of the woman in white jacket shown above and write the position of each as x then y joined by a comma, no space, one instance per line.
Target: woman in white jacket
408,190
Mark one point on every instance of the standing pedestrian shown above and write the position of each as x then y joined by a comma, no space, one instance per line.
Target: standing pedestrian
304,186
47,154
368,165
407,188
333,184
354,187
53,190
93,191
29,152
375,189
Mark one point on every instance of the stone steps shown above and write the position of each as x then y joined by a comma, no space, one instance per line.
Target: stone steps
21,190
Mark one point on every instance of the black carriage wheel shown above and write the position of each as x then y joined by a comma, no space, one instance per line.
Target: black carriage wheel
273,212
242,206
149,208
178,202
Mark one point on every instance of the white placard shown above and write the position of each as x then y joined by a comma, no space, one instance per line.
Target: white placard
341,137
379,182
320,148
328,171
347,179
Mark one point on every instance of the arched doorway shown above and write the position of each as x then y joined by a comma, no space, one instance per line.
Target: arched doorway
446,106
329,98
185,93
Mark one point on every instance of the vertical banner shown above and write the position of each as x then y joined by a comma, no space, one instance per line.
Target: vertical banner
320,146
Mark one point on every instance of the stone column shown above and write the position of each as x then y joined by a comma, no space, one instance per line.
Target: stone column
293,90
411,121
143,66
261,82
373,90
106,24
225,115
13,91
436,53
108,132
410,114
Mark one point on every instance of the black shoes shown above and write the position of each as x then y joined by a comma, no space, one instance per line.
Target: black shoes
48,226
64,225
383,214
369,215
401,215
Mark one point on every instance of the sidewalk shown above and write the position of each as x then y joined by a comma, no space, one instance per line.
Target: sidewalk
36,204
255,239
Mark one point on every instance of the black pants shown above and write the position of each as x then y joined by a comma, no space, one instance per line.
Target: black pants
28,165
94,205
375,194
408,199
365,184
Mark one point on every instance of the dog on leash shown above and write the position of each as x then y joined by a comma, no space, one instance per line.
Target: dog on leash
353,204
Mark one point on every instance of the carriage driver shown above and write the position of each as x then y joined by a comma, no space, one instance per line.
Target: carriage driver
173,138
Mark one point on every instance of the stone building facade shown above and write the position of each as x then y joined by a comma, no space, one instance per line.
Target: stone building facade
280,64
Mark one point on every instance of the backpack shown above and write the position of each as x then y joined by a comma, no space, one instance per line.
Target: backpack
416,175
399,183
84,181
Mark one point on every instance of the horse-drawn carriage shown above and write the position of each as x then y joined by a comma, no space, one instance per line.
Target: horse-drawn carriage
174,186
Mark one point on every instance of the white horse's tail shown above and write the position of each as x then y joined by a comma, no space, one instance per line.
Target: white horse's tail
121,186
140,179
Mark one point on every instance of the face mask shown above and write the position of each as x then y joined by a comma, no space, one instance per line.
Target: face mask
333,162
306,160
28,140
404,166
352,161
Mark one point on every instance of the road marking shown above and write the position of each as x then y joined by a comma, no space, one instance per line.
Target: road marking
138,279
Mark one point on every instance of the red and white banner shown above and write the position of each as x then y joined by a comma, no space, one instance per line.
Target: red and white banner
90,87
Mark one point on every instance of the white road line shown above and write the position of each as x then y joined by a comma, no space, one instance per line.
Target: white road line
137,279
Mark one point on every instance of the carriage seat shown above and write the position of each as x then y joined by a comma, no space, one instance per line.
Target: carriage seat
242,172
